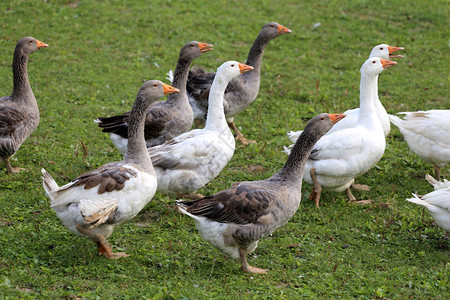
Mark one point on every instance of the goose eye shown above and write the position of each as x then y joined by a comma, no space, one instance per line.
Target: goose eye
31,41
374,62
155,85
232,65
381,48
322,118
192,45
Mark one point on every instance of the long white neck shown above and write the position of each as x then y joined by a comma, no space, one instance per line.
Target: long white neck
368,95
215,118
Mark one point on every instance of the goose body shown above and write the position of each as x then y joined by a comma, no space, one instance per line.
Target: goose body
242,90
164,119
19,112
427,134
95,202
189,161
382,51
235,219
437,202
339,157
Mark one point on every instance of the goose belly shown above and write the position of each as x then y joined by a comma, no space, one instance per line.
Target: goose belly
199,167
219,235
183,181
133,198
432,151
138,191
339,173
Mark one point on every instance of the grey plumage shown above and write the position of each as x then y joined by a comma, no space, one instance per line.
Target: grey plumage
19,112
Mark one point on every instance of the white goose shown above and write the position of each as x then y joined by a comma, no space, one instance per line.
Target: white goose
382,51
437,202
343,155
95,202
192,159
428,135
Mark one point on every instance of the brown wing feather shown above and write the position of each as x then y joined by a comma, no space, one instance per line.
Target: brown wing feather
242,204
156,119
110,177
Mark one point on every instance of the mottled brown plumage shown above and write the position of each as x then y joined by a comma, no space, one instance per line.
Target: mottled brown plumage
110,177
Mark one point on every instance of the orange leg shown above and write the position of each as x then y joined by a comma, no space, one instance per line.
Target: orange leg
315,194
9,169
104,248
246,267
239,136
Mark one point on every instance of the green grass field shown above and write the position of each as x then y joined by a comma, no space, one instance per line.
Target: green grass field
99,54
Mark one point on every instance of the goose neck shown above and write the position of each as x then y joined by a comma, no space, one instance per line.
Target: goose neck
20,75
137,151
295,164
215,118
256,53
368,90
180,78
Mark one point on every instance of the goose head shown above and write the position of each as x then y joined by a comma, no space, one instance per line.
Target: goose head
323,122
231,69
155,89
28,45
375,65
273,29
385,51
194,49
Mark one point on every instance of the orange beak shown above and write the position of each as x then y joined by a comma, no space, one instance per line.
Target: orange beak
336,117
205,47
245,68
168,89
283,30
41,44
394,49
387,63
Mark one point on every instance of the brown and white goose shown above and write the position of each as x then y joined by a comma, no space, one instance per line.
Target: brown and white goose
95,202
165,119
19,112
235,219
241,91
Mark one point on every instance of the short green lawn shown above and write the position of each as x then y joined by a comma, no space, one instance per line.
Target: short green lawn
101,52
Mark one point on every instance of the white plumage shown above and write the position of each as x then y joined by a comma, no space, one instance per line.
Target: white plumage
382,51
437,202
339,157
76,205
427,134
191,160
95,202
